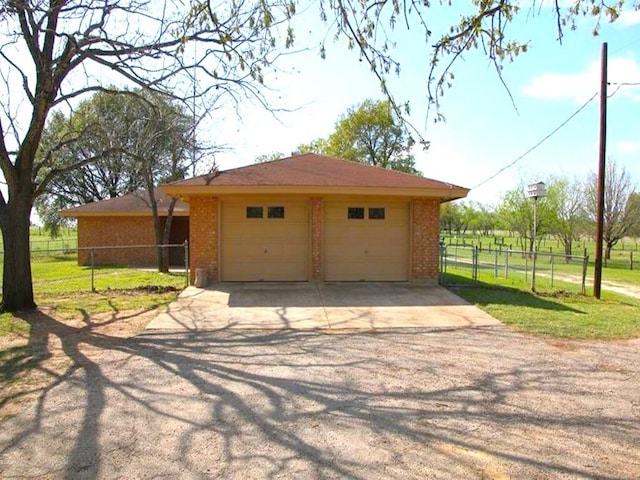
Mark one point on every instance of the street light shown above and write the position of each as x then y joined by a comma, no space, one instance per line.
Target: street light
535,191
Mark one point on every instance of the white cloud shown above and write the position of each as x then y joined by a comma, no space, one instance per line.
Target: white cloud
580,86
629,18
628,147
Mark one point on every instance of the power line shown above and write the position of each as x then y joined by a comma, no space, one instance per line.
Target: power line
625,84
511,164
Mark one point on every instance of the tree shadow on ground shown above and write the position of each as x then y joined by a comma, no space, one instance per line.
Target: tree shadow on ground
482,293
231,404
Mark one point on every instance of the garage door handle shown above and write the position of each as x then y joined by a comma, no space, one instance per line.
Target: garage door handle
265,250
366,251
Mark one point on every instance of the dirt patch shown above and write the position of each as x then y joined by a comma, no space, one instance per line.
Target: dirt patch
33,362
147,289
560,294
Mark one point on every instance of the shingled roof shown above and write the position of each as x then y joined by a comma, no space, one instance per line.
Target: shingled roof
133,204
312,170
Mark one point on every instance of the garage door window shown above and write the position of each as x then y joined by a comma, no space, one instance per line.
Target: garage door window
254,212
376,213
275,212
355,213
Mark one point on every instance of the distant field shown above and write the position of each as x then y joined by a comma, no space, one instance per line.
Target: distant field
41,241
616,270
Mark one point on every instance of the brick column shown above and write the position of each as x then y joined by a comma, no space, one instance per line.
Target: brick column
425,241
203,236
317,211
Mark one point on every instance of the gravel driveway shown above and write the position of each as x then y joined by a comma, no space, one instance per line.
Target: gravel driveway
443,404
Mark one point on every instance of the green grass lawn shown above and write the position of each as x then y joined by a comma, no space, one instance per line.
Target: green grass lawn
559,311
559,315
61,284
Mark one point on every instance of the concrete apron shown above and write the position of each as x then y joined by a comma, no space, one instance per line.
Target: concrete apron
330,306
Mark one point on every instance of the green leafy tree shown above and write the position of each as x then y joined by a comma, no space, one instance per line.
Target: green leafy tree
370,133
151,140
268,157
57,51
566,202
472,217
487,219
319,146
517,215
450,217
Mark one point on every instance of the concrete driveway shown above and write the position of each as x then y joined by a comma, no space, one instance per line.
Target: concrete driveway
331,306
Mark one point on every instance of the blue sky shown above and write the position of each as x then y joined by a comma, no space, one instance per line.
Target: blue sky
483,132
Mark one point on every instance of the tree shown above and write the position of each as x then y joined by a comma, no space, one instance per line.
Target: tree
633,214
98,125
160,141
487,219
450,217
566,201
152,139
483,25
55,52
517,214
618,190
268,157
370,133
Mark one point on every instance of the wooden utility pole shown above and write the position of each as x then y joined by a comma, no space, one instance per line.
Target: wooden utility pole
597,274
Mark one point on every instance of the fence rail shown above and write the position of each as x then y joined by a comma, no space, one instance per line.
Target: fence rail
71,270
552,271
159,250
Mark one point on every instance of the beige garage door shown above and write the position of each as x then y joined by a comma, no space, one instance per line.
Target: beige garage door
366,241
264,241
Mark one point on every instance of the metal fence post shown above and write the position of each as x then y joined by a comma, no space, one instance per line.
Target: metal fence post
495,264
475,263
552,270
186,262
506,263
93,287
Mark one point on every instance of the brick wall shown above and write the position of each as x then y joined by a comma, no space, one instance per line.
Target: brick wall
117,231
426,230
203,236
123,231
316,238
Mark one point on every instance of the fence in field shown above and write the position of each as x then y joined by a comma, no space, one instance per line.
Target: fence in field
72,270
463,264
623,255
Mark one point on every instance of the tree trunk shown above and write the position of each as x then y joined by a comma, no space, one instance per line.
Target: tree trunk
568,247
157,228
17,286
166,238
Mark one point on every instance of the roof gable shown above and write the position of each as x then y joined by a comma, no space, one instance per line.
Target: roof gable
132,204
310,169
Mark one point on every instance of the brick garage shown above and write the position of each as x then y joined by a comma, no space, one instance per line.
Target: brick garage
314,218
127,222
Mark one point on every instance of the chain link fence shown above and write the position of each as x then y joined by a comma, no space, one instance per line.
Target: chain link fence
70,270
462,264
